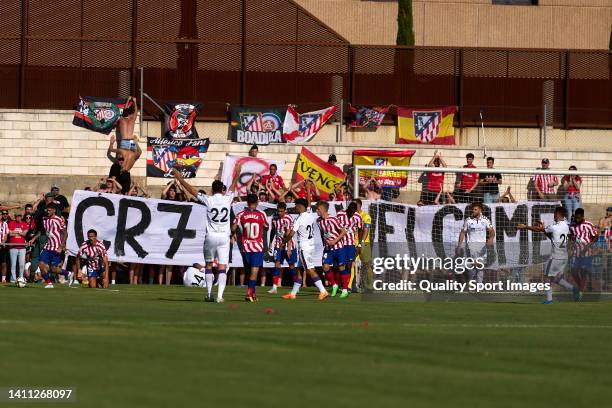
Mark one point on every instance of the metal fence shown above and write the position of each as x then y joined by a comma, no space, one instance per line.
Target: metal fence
273,52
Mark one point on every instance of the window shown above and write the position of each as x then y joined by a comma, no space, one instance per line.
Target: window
517,2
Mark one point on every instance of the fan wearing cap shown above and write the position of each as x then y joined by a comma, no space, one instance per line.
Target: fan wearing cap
60,201
332,160
544,184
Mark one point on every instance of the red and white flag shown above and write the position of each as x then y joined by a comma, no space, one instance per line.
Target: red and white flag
298,129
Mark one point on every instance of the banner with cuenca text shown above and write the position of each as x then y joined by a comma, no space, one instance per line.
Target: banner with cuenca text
383,158
324,175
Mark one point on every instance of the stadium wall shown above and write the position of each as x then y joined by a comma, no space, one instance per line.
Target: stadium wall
564,24
42,147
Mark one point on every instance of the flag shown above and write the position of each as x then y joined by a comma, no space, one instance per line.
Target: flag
249,166
426,126
185,155
253,125
179,120
299,129
385,178
324,175
367,117
98,114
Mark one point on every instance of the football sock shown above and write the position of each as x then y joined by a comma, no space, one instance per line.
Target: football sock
549,294
252,285
209,278
317,282
565,284
330,277
345,276
112,282
297,284
222,281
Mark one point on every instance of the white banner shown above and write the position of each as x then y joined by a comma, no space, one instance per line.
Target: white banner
139,230
248,167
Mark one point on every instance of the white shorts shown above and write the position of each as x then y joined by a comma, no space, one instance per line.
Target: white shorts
555,267
307,257
217,246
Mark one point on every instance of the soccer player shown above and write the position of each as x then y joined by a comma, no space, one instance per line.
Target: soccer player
363,249
218,231
332,234
94,253
558,233
478,233
303,228
583,235
351,221
50,260
281,225
252,222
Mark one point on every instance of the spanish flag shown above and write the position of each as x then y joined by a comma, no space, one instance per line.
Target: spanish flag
324,175
426,126
383,158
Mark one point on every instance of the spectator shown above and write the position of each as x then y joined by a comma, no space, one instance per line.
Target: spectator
263,197
273,182
489,183
507,197
172,192
444,198
60,201
122,177
4,251
544,184
373,190
18,230
253,151
435,180
466,182
571,192
332,160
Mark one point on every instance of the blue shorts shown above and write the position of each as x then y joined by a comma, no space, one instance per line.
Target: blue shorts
582,262
51,258
280,255
334,256
95,273
253,259
349,253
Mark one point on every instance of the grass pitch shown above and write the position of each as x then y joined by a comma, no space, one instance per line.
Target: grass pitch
152,346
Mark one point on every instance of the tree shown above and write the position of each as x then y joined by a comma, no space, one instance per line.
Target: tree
405,29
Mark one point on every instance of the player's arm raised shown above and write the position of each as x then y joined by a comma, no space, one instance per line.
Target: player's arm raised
188,187
538,227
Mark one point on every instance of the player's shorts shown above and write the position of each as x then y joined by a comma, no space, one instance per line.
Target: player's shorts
217,246
334,256
253,259
51,258
582,262
307,257
477,250
280,255
349,253
555,267
95,273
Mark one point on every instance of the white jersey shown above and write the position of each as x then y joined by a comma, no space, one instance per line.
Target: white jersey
218,211
194,277
558,233
303,227
476,229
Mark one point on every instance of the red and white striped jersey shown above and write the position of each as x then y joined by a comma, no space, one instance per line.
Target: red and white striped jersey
252,223
608,237
93,254
543,181
330,229
583,234
54,227
281,226
352,226
4,230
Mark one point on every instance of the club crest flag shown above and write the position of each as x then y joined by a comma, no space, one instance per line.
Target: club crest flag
179,120
383,158
324,175
253,125
365,117
426,126
301,128
98,114
185,155
248,167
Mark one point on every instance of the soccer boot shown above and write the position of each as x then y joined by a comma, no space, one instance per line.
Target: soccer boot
289,296
334,290
344,294
323,295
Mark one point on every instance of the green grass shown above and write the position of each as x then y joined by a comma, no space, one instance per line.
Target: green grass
163,347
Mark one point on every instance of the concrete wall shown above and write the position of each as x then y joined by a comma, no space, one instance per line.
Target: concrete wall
566,24
42,147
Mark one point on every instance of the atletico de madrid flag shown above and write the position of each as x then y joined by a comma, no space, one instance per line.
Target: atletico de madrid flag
426,126
298,129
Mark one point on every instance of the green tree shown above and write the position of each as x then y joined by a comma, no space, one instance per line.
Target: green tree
405,29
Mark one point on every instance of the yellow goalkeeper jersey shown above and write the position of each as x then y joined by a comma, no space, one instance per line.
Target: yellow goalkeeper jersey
367,222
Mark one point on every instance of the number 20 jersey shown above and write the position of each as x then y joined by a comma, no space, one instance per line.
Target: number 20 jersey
304,229
218,209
